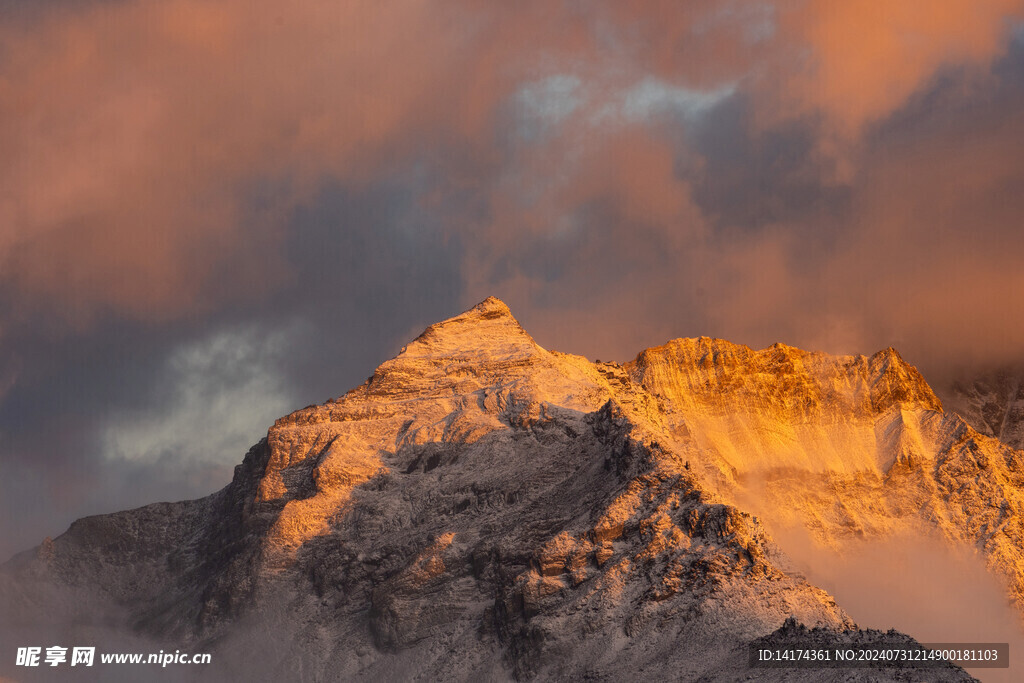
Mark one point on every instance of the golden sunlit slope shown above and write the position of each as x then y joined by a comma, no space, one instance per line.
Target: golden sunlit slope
848,447
782,407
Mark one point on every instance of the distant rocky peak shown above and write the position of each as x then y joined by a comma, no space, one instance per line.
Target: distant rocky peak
719,374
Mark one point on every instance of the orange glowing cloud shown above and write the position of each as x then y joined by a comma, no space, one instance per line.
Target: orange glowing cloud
133,133
136,135
866,58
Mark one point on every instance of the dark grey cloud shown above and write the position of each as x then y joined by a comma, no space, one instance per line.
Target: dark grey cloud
370,267
64,386
115,416
756,177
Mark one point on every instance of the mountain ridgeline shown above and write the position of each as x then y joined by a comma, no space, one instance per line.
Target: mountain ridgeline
484,509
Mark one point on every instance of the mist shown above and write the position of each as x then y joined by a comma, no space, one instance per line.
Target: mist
917,583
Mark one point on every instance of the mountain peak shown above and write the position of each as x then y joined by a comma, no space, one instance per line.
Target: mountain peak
487,330
492,305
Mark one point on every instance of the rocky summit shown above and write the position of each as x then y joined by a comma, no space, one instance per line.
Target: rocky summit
484,509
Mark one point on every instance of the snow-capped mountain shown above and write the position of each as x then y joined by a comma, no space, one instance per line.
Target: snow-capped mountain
484,509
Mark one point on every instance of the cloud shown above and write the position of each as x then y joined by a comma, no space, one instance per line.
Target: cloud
141,136
934,591
544,104
757,243
652,97
136,134
221,393
865,59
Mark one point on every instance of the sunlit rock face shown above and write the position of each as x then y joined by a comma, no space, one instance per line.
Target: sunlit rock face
782,407
849,448
482,508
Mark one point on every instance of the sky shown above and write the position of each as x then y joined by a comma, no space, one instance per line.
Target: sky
213,212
